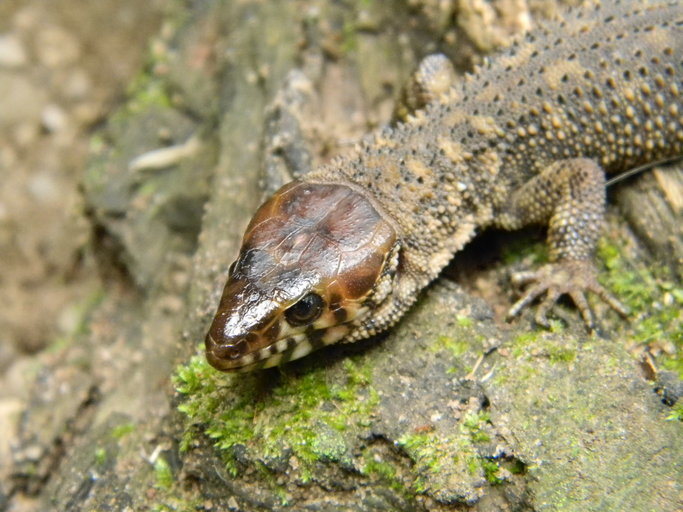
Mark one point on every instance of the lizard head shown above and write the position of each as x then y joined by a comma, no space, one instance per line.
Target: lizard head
315,261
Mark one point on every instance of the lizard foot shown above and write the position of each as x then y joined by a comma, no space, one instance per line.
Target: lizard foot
573,278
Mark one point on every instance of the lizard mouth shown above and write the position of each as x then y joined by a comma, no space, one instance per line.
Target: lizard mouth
229,358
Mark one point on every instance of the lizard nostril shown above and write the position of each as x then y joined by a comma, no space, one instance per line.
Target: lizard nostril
224,350
229,351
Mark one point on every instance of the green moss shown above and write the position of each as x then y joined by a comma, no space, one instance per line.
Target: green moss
473,424
422,448
501,379
559,354
456,347
381,469
349,37
517,467
655,300
529,372
522,341
121,431
174,503
384,472
676,412
270,479
100,456
162,473
522,249
300,415
163,508
556,325
433,453
147,90
529,345
97,143
144,91
464,321
472,464
491,470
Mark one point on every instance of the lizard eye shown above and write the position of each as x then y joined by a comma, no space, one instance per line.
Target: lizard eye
305,311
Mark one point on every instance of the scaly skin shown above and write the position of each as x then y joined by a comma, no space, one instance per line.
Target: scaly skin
342,254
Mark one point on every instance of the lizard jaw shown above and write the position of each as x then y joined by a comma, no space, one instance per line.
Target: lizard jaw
281,351
219,356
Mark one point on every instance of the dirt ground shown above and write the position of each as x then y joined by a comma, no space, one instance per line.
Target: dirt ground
57,82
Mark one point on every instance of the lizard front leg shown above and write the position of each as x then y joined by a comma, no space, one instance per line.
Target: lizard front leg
568,196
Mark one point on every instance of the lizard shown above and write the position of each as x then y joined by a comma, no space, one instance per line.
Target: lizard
341,253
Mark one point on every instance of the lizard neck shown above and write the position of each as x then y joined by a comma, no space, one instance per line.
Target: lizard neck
435,200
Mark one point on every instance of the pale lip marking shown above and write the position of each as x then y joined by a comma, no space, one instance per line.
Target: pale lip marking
272,354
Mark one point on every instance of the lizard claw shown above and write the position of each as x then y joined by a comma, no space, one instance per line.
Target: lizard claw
573,278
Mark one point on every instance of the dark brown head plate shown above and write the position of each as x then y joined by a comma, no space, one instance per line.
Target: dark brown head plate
310,257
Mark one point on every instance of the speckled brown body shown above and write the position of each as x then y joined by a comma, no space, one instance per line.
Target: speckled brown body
604,86
526,139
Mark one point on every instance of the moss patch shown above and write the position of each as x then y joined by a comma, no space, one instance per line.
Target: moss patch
457,347
146,91
463,343
529,345
677,412
295,419
656,302
442,458
100,456
377,466
121,431
163,474
524,249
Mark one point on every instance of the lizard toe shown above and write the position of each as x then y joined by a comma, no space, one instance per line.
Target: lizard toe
527,298
609,299
573,278
541,316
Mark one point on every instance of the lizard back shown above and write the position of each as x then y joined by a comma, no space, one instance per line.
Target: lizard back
342,253
604,83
